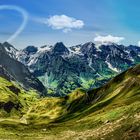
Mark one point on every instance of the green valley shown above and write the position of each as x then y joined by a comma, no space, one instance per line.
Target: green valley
109,112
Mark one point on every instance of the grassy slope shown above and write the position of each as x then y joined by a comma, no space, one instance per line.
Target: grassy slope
109,112
14,101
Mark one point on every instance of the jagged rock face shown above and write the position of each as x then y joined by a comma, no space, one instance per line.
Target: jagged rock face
14,70
11,51
30,50
116,56
63,69
88,49
5,74
59,49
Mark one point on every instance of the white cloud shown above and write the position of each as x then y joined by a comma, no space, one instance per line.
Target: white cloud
139,43
108,39
62,22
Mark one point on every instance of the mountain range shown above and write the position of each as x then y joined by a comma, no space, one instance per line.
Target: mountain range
62,69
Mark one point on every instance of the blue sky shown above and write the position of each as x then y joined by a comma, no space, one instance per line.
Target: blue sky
90,19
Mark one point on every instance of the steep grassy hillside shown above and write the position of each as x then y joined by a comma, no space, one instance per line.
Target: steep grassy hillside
109,112
14,100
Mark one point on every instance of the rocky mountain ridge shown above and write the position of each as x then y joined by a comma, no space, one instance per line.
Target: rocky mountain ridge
62,69
13,70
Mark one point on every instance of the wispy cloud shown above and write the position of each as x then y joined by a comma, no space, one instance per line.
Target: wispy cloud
61,22
24,22
108,39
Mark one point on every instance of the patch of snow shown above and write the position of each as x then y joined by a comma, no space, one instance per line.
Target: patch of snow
97,46
127,51
46,48
75,49
21,56
111,67
32,61
132,59
90,64
75,52
11,51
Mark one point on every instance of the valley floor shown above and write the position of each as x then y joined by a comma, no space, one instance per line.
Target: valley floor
121,123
